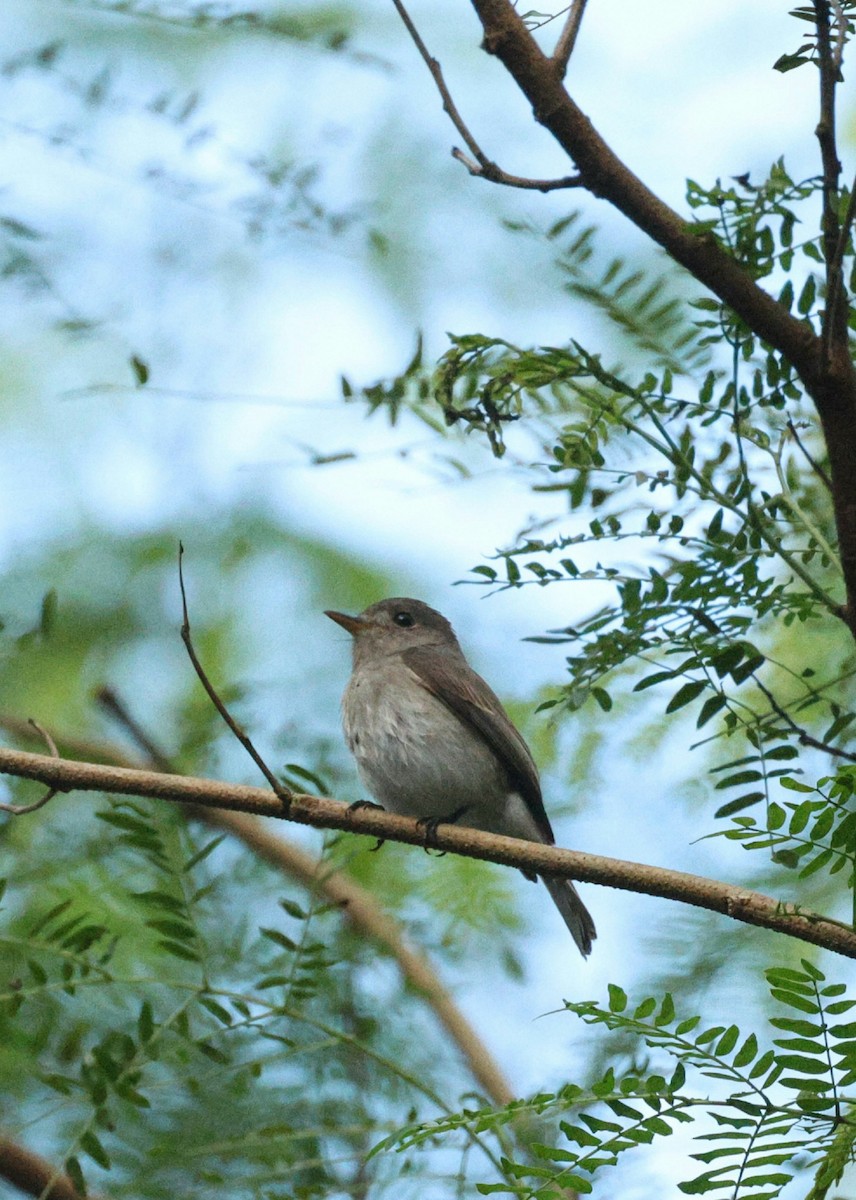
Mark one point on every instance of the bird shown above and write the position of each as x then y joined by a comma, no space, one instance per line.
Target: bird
432,741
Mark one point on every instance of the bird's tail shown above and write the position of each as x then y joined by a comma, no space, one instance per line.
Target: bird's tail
574,913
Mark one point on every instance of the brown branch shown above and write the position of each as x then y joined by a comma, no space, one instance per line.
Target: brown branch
358,906
830,379
281,791
568,37
19,810
606,176
834,328
734,901
483,167
31,1173
494,174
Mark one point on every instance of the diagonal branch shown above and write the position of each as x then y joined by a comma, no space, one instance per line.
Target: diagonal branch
568,37
31,1173
606,176
830,379
733,901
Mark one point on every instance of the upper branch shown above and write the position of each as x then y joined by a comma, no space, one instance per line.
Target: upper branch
834,247
824,365
736,902
606,176
568,37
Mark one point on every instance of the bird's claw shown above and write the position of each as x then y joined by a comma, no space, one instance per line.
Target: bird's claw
431,824
365,804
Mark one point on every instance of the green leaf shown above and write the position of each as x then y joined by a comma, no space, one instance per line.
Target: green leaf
617,998
686,694
75,1174
90,1145
281,939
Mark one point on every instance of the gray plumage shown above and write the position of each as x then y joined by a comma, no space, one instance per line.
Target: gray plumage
430,737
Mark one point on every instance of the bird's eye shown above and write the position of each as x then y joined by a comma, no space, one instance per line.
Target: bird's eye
403,619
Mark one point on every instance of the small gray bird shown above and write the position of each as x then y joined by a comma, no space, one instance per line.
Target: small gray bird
432,741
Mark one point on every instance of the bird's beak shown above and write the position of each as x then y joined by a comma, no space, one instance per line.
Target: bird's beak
353,624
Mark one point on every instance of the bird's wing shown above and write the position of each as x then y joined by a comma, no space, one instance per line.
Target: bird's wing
466,694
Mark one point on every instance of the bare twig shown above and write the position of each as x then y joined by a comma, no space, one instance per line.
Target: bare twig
734,901
357,904
568,37
483,167
18,810
494,174
813,463
281,791
803,736
116,708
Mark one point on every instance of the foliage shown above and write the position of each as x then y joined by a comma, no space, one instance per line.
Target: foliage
783,1107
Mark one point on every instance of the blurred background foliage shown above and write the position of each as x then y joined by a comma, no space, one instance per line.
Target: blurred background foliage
208,215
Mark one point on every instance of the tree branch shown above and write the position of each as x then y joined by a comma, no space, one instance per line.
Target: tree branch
31,1173
830,379
606,176
483,167
835,317
736,902
568,37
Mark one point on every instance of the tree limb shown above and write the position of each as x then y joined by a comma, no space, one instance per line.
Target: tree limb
31,1173
829,378
734,901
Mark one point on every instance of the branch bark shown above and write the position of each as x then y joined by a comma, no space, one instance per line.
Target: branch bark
31,1173
828,373
737,902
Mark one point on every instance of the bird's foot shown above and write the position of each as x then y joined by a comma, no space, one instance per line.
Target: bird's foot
365,804
357,805
432,824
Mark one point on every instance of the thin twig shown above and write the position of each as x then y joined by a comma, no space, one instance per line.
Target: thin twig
282,792
494,174
732,900
18,810
483,167
803,736
116,708
568,37
814,464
